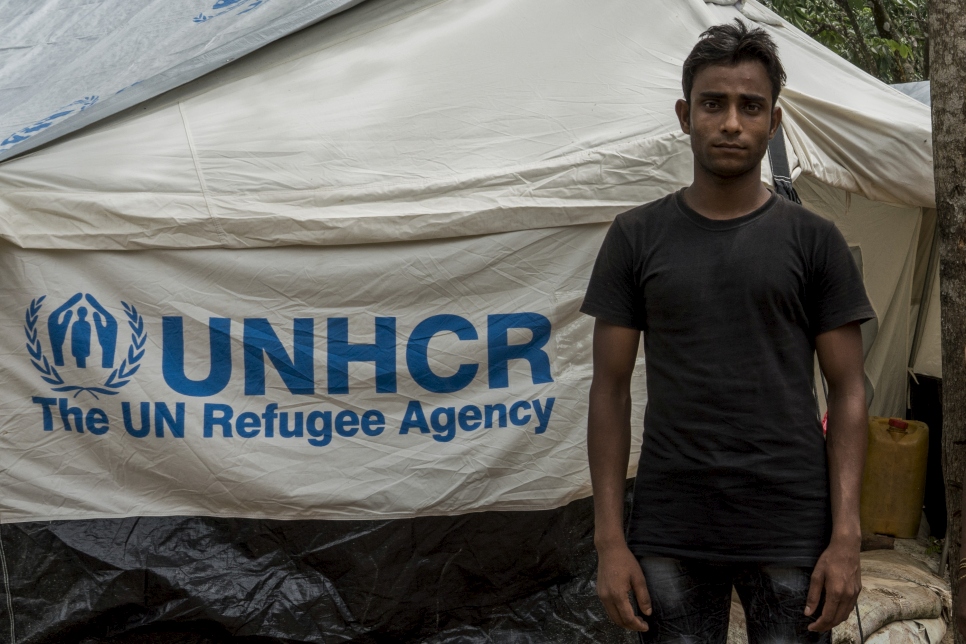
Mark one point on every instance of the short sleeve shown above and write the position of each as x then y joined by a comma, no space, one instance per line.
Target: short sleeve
613,294
837,292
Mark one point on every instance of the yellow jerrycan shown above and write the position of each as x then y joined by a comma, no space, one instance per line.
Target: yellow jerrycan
895,477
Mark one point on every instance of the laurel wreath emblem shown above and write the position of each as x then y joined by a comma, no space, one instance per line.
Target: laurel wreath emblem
118,378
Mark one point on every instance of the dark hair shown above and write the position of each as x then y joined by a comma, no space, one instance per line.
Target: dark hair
730,44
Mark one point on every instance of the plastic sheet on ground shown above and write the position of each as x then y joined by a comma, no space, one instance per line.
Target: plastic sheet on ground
508,577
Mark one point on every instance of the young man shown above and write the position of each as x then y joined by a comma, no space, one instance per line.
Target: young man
735,289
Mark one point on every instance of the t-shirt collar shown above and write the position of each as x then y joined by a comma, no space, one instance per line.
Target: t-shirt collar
722,224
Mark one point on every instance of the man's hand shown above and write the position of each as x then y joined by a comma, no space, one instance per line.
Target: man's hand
837,573
618,574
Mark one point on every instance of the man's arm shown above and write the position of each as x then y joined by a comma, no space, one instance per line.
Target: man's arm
837,571
608,449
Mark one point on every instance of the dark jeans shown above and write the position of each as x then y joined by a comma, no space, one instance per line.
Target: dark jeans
691,602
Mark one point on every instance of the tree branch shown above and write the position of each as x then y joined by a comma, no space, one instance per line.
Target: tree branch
884,26
826,26
862,45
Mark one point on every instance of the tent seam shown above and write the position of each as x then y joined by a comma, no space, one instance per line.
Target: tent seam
6,591
200,174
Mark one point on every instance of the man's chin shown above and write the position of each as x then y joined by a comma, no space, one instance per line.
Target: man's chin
730,171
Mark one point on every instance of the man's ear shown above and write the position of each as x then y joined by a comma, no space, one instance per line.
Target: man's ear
683,110
776,120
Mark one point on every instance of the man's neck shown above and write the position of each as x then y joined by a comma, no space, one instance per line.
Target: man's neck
726,197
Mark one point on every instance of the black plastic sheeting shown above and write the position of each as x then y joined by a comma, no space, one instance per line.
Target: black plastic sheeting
506,577
926,404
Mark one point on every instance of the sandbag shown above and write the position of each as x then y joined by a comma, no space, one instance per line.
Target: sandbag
884,601
892,564
895,588
902,602
919,631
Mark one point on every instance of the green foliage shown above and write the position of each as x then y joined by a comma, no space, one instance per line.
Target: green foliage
887,38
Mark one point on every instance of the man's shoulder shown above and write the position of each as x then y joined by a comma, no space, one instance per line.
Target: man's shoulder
647,213
803,218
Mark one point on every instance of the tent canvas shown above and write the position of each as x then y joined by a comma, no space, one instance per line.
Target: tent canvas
458,124
926,356
64,66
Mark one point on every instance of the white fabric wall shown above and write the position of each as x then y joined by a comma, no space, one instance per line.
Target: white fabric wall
929,359
888,237
61,474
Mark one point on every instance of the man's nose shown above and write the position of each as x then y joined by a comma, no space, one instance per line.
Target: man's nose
731,122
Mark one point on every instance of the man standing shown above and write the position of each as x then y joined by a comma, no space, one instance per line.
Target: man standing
735,289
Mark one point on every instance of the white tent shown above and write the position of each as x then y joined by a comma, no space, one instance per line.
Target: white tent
926,350
64,66
404,160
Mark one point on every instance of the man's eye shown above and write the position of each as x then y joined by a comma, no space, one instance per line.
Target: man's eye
710,104
753,107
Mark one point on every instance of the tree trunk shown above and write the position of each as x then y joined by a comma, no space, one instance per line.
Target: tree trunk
947,20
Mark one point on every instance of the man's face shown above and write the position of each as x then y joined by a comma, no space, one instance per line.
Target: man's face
730,119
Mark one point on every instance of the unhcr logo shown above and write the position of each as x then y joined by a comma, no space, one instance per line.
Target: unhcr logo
77,346
73,328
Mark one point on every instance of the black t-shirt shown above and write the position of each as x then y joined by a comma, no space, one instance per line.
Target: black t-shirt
733,464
